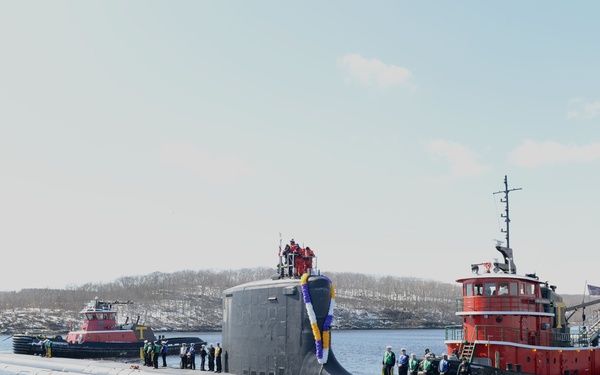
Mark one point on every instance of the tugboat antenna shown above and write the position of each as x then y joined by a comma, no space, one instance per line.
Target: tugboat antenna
505,215
507,253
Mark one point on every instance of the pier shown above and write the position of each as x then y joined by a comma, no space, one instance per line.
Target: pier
30,364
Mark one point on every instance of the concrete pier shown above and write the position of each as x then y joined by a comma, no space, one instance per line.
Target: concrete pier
32,365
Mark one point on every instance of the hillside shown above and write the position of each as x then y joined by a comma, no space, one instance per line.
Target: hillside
191,301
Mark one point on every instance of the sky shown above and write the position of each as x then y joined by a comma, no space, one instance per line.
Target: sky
144,136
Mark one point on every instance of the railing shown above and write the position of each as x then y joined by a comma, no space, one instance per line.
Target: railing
522,336
498,303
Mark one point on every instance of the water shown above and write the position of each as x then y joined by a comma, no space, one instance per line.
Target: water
360,352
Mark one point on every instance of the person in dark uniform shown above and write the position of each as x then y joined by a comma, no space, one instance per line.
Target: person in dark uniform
202,357
183,356
444,365
192,357
163,352
211,358
403,362
464,368
288,260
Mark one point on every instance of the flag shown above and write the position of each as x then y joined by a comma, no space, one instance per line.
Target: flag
594,290
279,253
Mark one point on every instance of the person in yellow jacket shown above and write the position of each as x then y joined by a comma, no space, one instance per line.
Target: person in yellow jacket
218,352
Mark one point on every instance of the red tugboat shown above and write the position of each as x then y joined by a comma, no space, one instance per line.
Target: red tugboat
518,324
99,337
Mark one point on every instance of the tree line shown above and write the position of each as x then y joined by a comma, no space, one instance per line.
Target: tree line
191,300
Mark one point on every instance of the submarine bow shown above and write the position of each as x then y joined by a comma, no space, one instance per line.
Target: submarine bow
269,329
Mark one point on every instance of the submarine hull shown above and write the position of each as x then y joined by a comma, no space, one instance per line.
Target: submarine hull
267,329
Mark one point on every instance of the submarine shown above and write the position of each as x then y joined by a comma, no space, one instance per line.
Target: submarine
282,325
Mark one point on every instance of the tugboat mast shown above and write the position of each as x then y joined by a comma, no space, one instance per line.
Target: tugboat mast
506,251
505,215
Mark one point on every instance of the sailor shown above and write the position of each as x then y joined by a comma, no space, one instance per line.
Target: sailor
297,259
288,260
203,354
192,357
455,353
150,352
413,364
388,362
42,348
308,257
464,368
48,346
146,355
299,262
427,365
403,362
444,365
183,356
156,353
211,357
164,349
292,254
218,352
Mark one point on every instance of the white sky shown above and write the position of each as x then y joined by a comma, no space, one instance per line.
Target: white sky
142,136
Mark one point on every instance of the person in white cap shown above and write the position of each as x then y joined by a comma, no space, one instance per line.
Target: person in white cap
403,362
389,361
183,356
444,365
192,356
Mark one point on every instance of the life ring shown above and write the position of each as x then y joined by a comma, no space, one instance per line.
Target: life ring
488,267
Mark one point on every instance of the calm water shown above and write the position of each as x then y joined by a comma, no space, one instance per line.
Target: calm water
360,352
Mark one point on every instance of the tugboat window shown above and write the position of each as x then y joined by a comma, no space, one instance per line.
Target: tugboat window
513,289
479,289
490,289
502,288
468,290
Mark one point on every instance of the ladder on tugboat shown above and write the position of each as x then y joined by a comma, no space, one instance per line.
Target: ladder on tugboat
594,329
468,349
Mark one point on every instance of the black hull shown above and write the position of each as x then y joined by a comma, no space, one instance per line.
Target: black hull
26,344
266,328
477,369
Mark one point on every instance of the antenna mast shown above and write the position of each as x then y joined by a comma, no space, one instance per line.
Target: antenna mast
505,215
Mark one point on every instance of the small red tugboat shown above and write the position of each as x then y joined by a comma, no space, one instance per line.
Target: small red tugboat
99,337
518,324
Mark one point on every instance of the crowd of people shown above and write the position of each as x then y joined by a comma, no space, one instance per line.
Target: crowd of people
411,365
210,357
295,260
